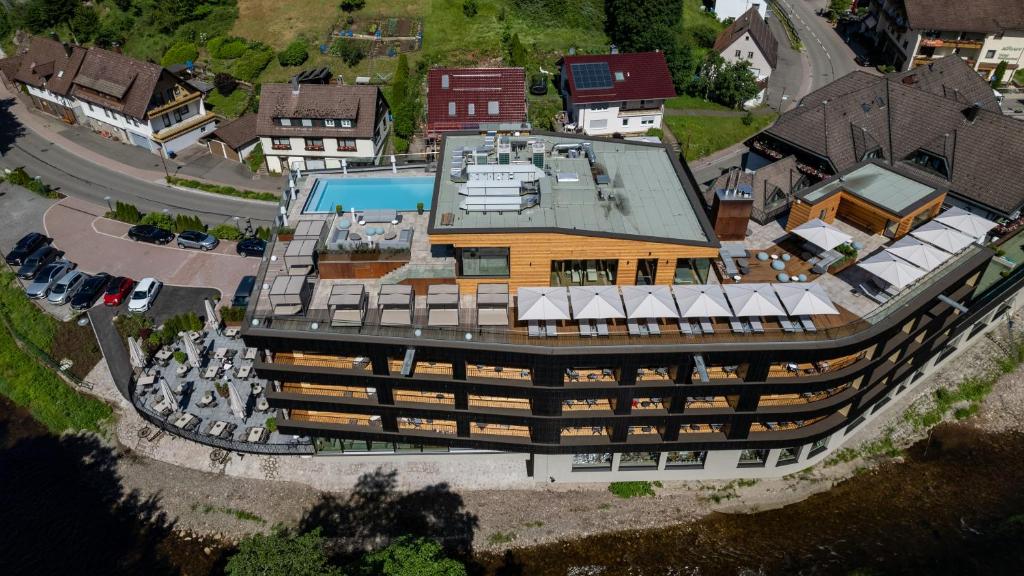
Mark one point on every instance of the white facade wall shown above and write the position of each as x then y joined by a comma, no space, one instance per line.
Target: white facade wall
746,49
735,8
605,120
1009,48
51,97
279,160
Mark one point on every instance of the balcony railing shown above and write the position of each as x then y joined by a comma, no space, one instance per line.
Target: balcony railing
280,146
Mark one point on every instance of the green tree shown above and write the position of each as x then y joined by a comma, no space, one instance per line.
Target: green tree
86,23
281,554
642,26
469,8
734,84
180,53
837,7
997,75
352,5
294,55
409,556
400,81
40,15
517,55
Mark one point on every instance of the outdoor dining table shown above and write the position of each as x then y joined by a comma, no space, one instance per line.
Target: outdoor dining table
262,405
211,371
257,389
163,355
250,353
207,398
231,332
195,336
184,420
255,434
244,371
147,380
221,353
218,428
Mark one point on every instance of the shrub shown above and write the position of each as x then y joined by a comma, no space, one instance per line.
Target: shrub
22,178
180,53
232,313
747,119
271,424
469,8
180,357
419,207
224,83
158,219
225,190
350,51
401,145
263,233
125,212
255,159
227,48
294,55
252,63
184,222
226,232
132,325
352,5
631,489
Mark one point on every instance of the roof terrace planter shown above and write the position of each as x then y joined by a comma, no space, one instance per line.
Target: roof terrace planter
366,254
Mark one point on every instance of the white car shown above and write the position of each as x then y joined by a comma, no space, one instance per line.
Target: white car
144,294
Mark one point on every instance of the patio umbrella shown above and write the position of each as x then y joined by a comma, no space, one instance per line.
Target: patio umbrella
913,250
701,301
235,399
550,303
212,318
938,234
169,398
649,302
135,353
822,234
750,300
965,222
805,299
194,357
892,269
596,302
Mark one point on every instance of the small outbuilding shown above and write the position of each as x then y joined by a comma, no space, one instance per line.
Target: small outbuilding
234,140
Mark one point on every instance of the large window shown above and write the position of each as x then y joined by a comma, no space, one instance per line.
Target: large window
281,143
688,459
315,144
638,460
591,462
692,271
753,458
483,262
583,272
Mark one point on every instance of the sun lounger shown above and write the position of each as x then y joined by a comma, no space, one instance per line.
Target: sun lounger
706,326
585,328
602,328
808,324
871,292
684,327
786,324
533,328
550,328
653,327
755,325
736,325
730,266
633,327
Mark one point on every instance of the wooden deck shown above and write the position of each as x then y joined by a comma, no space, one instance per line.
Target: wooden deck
324,360
491,429
333,418
325,390
419,397
427,425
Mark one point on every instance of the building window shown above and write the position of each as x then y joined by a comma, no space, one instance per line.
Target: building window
685,459
932,162
598,124
451,108
314,144
821,214
493,108
625,121
180,113
591,462
788,456
583,272
691,271
483,262
750,55
753,458
329,123
990,54
646,121
307,122
638,461
818,446
346,123
284,121
471,109
167,119
346,145
281,143
738,54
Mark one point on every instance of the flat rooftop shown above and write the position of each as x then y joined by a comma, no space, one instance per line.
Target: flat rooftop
644,192
878,185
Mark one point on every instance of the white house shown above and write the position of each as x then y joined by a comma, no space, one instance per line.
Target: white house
45,71
315,126
734,8
749,39
615,93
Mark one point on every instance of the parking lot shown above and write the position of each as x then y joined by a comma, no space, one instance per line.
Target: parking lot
97,244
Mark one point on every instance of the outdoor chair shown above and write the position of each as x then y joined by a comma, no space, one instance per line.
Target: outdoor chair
808,324
585,328
533,328
653,327
787,326
550,328
736,325
602,328
755,325
685,328
706,326
633,327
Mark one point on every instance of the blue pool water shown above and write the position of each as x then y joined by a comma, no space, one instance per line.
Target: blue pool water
370,194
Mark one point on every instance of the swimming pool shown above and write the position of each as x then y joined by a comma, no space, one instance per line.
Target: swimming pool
370,193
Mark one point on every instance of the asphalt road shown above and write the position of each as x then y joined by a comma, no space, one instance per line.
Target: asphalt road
80,178
829,56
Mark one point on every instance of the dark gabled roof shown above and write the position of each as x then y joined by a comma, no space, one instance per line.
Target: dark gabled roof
9,66
324,101
751,22
476,86
984,16
900,117
782,174
116,81
237,133
645,76
49,64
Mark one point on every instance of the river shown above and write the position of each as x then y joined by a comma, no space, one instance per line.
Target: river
954,506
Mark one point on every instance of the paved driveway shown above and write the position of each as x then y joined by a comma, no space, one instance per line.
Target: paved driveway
21,212
100,245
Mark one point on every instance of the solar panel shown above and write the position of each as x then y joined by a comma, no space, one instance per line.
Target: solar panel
592,75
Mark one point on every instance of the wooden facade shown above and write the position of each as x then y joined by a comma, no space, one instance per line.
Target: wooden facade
862,214
531,255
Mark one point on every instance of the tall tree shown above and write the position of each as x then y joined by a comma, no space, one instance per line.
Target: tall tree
643,25
409,556
516,52
281,554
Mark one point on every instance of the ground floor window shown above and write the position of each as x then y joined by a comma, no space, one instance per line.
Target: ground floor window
638,460
692,271
685,459
592,462
646,271
818,445
483,261
788,456
583,272
854,424
753,458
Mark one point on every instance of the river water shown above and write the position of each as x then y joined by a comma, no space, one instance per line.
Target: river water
955,506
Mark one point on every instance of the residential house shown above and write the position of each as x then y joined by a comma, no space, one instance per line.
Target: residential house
45,71
236,139
316,126
476,99
734,8
614,93
939,124
910,33
140,102
749,39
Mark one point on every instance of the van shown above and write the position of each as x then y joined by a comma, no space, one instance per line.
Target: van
244,290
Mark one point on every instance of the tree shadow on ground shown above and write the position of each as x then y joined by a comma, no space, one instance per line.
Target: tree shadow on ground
64,511
10,128
375,512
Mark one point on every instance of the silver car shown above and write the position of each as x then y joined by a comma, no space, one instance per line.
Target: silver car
65,289
197,239
47,277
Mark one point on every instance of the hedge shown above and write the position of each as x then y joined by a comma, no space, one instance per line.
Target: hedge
20,177
252,63
225,190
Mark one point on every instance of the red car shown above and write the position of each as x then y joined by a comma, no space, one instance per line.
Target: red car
118,289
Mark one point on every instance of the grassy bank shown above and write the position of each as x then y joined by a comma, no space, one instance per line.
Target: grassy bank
688,102
700,136
30,384
225,190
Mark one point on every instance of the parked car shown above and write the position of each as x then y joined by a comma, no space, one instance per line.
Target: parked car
243,292
144,294
28,244
37,261
150,233
118,290
90,291
863,61
251,247
197,239
47,277
64,289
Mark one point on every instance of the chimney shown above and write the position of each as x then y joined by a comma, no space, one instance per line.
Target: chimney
971,112
67,49
613,49
295,85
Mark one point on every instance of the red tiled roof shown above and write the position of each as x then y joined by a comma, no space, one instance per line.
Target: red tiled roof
476,86
645,77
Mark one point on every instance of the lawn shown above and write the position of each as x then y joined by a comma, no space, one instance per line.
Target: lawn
1018,77
701,135
230,106
688,102
27,382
